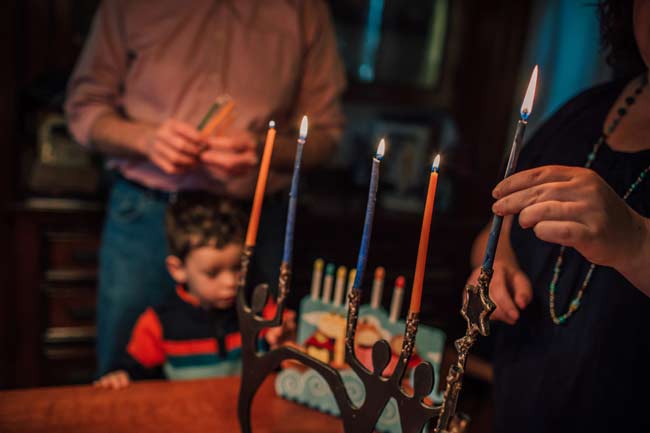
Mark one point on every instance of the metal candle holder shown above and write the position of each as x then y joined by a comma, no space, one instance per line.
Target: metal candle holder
413,411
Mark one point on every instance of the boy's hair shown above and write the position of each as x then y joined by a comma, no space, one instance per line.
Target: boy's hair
197,219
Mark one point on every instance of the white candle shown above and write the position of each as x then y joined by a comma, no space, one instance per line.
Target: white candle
396,303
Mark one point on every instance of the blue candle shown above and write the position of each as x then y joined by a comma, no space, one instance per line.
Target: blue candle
370,213
293,194
497,221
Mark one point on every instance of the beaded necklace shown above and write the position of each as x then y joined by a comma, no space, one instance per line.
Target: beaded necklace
574,305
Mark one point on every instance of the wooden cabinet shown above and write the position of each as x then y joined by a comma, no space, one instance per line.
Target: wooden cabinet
55,257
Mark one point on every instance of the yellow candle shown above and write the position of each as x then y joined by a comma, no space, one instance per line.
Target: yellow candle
219,117
416,293
254,221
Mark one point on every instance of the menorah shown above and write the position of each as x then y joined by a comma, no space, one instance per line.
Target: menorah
414,413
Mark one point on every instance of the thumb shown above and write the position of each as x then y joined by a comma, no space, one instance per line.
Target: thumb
522,290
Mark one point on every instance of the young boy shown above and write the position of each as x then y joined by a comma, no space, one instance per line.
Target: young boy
195,333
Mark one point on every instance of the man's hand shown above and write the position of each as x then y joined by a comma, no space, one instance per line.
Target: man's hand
510,290
114,380
231,155
285,332
173,146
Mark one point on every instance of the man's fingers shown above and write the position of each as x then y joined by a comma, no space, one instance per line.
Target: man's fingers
229,161
186,130
551,211
169,151
567,233
165,165
529,178
230,144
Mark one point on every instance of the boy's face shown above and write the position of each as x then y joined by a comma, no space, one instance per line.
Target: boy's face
209,273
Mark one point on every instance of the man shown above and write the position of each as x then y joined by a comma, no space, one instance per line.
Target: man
147,75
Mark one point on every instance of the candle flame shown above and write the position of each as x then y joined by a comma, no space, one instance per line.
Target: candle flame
304,126
436,163
381,149
527,106
272,124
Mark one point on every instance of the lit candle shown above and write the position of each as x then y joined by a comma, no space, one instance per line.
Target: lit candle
316,278
396,302
328,282
254,221
497,221
293,194
339,287
370,213
377,287
420,265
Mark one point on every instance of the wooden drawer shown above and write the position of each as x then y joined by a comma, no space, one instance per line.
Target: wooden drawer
71,256
66,364
70,307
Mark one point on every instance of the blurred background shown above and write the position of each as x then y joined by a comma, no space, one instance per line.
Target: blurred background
431,75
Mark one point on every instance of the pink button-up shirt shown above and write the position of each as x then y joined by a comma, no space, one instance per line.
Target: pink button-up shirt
155,59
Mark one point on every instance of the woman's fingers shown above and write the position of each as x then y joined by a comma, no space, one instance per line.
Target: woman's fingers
552,211
567,233
521,288
506,309
529,178
517,201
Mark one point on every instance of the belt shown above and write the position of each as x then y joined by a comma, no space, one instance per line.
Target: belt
153,193
170,196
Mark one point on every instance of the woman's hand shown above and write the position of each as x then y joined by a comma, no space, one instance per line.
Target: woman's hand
510,290
575,207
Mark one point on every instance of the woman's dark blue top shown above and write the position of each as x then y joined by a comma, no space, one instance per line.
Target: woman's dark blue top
591,374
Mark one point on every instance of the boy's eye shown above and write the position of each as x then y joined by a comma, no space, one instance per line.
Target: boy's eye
212,273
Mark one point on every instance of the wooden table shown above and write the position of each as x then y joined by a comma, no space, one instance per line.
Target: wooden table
202,406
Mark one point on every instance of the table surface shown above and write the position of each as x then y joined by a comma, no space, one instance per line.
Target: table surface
205,406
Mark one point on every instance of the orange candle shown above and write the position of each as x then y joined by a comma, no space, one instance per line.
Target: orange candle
416,293
254,221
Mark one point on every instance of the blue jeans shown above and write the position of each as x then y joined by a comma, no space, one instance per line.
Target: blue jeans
132,273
